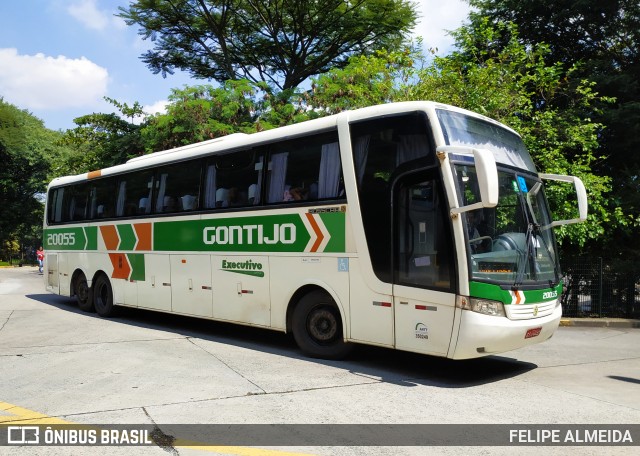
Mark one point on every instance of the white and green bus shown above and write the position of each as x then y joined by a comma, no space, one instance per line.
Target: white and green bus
416,226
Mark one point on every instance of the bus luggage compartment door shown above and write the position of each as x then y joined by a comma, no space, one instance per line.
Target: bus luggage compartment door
154,292
241,289
191,285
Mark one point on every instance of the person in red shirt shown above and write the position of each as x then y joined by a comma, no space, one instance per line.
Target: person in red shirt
40,256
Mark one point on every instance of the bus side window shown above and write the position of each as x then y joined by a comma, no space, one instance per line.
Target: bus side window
233,179
75,203
307,168
133,188
55,205
177,187
102,197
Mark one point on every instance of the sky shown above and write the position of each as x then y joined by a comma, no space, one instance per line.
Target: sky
60,58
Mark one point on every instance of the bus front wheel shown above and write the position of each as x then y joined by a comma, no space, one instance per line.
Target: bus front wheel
103,296
317,327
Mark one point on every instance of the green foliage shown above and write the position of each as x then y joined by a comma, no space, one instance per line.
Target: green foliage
101,140
282,42
549,90
25,149
10,249
600,42
365,81
513,84
199,113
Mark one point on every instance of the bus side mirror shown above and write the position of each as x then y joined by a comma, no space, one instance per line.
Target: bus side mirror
487,173
581,194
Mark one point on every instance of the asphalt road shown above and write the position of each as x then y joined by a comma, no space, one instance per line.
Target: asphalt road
61,365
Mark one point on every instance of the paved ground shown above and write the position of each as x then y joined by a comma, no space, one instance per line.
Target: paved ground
62,365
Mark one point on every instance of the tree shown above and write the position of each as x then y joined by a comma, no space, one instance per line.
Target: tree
282,42
203,112
513,84
101,140
601,41
367,80
25,150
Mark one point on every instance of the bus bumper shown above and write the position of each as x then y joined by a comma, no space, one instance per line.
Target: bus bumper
481,335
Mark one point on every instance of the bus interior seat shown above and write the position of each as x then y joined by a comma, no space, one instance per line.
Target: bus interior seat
251,193
188,202
222,197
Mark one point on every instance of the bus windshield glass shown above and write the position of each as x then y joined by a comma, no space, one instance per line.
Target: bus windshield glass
462,130
511,244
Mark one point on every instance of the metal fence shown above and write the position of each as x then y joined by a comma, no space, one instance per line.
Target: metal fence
597,287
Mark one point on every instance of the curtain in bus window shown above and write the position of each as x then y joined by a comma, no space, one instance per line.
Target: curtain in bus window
122,194
160,203
360,155
411,147
254,189
329,177
58,198
93,205
72,208
210,187
147,206
278,169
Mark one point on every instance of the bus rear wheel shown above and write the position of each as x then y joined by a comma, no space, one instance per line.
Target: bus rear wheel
103,296
317,327
83,293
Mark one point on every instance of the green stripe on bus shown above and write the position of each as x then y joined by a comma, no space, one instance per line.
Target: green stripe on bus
137,266
269,233
495,293
127,237
65,239
91,233
489,291
335,223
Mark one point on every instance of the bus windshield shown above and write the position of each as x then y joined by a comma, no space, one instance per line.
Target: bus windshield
513,243
463,130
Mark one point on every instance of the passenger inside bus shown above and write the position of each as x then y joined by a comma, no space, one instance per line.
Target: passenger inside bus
297,193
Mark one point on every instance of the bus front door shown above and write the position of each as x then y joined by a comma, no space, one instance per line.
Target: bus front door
424,301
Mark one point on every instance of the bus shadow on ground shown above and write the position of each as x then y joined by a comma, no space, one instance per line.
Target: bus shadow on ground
373,363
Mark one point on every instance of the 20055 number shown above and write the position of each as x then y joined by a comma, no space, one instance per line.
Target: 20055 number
61,238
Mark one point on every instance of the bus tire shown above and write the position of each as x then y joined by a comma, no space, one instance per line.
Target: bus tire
317,327
83,293
103,296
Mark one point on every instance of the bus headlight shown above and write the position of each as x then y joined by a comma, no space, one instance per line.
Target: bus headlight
483,306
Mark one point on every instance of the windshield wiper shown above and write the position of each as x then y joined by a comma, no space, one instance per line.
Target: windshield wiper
529,255
532,227
550,257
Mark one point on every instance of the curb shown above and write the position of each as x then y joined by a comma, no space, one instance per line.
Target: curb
600,322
